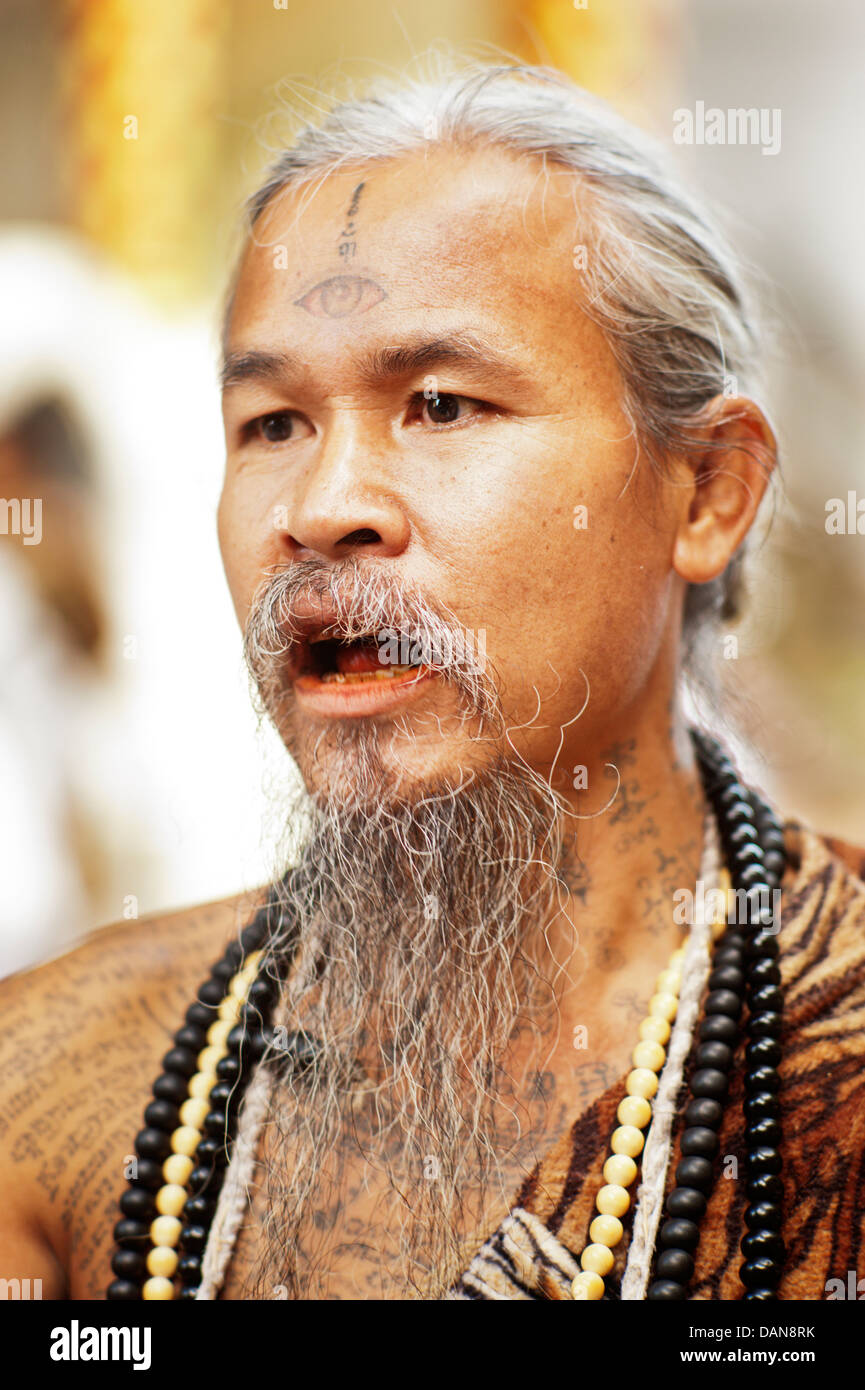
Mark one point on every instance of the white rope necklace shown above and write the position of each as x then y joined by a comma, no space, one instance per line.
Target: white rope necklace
656,1154
234,1196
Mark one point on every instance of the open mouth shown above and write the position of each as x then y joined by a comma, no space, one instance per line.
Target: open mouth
333,661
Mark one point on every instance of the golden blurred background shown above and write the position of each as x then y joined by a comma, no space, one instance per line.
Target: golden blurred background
131,770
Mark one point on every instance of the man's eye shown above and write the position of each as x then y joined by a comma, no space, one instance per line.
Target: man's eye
275,428
445,408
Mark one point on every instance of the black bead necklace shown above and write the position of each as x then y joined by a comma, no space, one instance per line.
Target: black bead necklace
744,969
246,1045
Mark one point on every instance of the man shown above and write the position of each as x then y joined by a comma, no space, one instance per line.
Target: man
487,481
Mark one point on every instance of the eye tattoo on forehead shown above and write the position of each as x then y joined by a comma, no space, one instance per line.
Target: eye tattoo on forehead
341,295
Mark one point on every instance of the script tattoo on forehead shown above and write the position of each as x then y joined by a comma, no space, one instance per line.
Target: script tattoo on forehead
341,295
347,246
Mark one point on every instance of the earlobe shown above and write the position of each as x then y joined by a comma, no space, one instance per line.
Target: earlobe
731,472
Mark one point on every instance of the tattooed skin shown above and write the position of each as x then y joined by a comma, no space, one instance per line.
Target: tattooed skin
610,957
341,295
80,1046
346,245
632,1004
350,1231
676,866
575,877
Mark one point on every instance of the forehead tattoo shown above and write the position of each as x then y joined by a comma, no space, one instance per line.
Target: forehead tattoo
346,244
341,295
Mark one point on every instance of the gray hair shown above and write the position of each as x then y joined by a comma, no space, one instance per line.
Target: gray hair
660,279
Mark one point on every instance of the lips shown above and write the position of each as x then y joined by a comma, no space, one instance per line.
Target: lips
337,672
359,694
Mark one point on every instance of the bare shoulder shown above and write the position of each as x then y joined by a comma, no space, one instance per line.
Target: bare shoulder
81,1041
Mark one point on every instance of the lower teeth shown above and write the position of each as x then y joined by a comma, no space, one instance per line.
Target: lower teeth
357,677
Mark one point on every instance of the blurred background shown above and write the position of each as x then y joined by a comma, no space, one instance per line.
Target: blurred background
132,777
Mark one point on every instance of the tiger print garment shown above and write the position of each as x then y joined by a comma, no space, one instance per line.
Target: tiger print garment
534,1253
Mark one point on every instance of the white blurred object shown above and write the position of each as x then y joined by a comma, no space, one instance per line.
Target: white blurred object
163,750
42,900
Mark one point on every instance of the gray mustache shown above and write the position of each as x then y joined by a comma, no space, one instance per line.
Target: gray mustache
365,602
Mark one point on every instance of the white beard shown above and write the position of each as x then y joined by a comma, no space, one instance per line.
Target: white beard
412,975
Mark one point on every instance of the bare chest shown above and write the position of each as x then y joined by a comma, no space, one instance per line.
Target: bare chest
353,1241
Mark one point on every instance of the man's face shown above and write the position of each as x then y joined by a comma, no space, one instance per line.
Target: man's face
413,385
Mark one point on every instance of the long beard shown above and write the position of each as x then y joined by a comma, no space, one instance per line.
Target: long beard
419,922
412,975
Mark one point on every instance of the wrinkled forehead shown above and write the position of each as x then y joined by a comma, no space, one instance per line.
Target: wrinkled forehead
465,228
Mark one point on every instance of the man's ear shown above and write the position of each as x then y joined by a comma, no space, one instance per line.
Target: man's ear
730,466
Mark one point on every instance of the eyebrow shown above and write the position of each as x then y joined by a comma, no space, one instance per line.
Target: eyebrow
239,367
462,349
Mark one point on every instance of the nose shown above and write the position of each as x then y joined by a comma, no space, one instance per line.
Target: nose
342,504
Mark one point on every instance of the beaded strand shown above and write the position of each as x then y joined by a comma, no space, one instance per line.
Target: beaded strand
184,1148
744,967
634,1115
